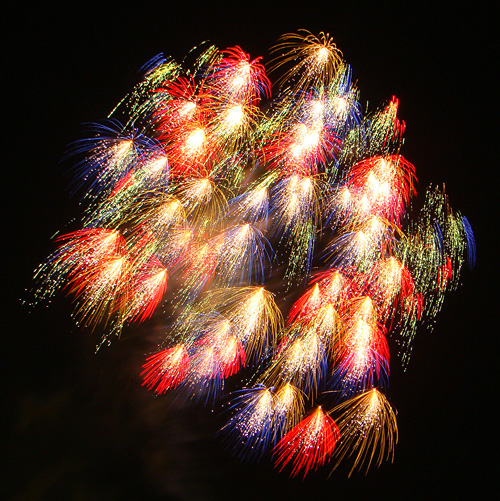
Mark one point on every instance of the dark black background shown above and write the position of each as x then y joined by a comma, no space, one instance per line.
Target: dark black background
79,425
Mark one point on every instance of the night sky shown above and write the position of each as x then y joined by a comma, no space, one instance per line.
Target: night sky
79,425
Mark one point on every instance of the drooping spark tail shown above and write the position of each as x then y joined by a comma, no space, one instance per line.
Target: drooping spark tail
309,444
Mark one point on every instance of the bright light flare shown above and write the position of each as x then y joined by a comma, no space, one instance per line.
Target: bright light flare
234,116
195,140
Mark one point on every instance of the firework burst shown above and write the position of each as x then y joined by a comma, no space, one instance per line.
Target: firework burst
212,196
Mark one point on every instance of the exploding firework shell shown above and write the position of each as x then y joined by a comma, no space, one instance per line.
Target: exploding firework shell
202,187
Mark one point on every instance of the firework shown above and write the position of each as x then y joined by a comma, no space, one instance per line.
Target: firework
166,369
210,200
315,60
368,428
308,445
252,423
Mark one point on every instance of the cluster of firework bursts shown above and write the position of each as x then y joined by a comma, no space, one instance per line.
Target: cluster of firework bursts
238,200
